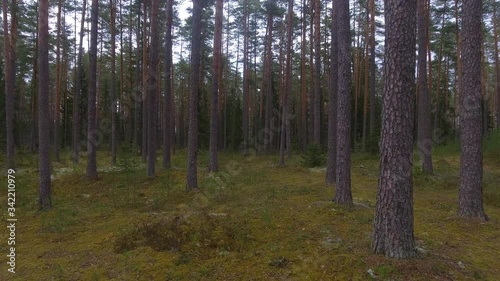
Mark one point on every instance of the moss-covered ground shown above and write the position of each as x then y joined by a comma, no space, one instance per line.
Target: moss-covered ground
251,221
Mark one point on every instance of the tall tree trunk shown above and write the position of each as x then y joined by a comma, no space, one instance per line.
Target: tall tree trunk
393,226
343,187
168,108
372,68
153,89
317,73
246,79
424,142
10,80
78,89
44,189
34,106
331,171
92,133
112,7
470,202
57,106
144,142
192,166
285,123
138,74
303,82
268,83
366,86
438,82
213,165
497,63
459,65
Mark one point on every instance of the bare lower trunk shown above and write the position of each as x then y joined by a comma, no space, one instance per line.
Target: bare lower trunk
393,225
470,202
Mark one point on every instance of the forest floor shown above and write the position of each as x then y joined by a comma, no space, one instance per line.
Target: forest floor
251,221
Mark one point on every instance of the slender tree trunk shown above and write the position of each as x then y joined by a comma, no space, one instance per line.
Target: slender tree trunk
288,86
393,226
10,79
34,105
44,189
92,133
331,164
78,89
138,73
459,65
192,169
438,82
267,83
112,7
372,68
57,106
153,89
144,142
343,194
168,108
470,202
424,142
497,63
367,67
303,82
317,73
246,79
214,118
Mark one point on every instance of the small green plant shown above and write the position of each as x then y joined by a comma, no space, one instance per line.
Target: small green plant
126,160
314,156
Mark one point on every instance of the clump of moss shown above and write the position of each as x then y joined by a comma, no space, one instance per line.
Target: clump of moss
194,233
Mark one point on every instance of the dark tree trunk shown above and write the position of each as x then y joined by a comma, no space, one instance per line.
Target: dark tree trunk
343,187
78,89
285,123
92,133
57,106
393,226
317,73
10,79
192,166
44,188
112,5
153,89
424,142
144,100
246,79
168,108
372,68
497,63
331,171
470,202
268,84
138,73
214,118
303,82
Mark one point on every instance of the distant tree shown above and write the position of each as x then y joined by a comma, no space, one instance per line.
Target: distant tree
10,75
44,188
372,68
331,163
317,72
343,187
153,89
424,142
168,103
78,89
57,106
112,8
91,111
213,164
192,166
470,202
393,226
246,79
497,61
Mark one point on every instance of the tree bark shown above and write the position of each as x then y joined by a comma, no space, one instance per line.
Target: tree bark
303,82
192,166
78,89
497,64
153,89
44,189
10,79
214,118
57,106
317,73
331,164
424,142
246,78
393,226
470,202
343,194
112,7
288,85
168,106
372,68
92,132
